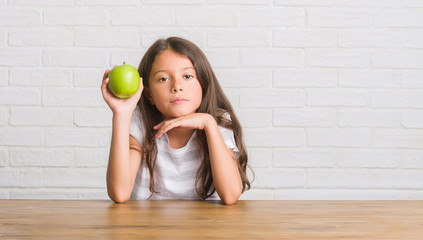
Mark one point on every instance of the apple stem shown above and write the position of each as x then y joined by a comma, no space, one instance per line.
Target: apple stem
123,63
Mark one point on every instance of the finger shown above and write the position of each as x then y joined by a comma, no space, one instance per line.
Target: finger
106,73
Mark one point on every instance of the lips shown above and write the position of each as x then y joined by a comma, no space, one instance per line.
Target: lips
178,100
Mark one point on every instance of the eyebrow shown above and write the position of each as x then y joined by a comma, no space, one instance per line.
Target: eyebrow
165,71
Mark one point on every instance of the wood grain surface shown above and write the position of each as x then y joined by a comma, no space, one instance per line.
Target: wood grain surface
48,219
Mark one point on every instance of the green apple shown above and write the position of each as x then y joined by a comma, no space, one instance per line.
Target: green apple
124,81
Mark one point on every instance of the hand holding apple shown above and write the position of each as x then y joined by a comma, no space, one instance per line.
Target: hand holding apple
124,81
120,105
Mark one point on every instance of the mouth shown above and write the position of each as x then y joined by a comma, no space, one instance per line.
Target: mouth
178,100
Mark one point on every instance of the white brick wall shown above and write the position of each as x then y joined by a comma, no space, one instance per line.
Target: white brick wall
329,92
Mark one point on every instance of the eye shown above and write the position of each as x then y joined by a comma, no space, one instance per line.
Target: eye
188,76
164,79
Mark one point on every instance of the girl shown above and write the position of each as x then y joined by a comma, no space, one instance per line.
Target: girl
178,136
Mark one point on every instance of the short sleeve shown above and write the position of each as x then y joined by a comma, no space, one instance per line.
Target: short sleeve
228,137
136,128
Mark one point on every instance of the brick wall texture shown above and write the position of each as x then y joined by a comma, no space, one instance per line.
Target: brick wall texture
329,92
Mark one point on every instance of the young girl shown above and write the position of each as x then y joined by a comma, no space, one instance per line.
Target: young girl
178,136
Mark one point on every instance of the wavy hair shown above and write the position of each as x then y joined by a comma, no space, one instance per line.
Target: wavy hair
214,102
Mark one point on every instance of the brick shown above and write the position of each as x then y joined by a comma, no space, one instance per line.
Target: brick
21,136
210,16
131,57
75,58
412,118
257,194
368,159
255,117
61,97
143,16
41,37
272,58
19,96
96,194
19,17
20,57
337,97
260,158
222,58
150,34
240,2
272,16
65,137
303,117
412,158
369,78
76,16
371,3
274,137
368,118
305,2
40,194
173,2
4,194
4,77
91,157
304,38
41,2
398,18
107,38
3,37
345,58
3,157
11,177
347,194
380,179
397,99
36,116
106,2
234,37
305,78
412,79
74,177
268,98
279,178
412,38
349,137
32,157
398,138
88,77
93,118
370,38
287,158
338,17
40,77
244,77
4,116
398,59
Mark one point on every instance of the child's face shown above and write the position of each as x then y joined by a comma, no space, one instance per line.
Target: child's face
174,87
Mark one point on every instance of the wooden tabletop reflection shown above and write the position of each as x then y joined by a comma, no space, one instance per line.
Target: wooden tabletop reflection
48,219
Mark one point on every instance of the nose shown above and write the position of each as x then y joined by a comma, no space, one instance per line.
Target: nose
177,86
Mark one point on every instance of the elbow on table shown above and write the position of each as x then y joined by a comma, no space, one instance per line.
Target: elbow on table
230,199
119,198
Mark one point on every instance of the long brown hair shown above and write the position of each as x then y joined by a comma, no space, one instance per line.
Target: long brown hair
214,102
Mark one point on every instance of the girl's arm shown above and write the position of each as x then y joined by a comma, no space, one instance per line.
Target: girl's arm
125,151
226,177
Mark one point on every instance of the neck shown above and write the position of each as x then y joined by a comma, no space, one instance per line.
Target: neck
179,137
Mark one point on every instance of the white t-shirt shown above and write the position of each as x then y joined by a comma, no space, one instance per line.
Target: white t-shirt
175,169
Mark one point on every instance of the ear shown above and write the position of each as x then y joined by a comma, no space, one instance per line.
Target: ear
147,93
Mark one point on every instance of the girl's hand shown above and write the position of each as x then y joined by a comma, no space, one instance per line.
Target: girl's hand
192,121
118,105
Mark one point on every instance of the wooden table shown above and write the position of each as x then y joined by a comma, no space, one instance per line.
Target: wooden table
40,219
